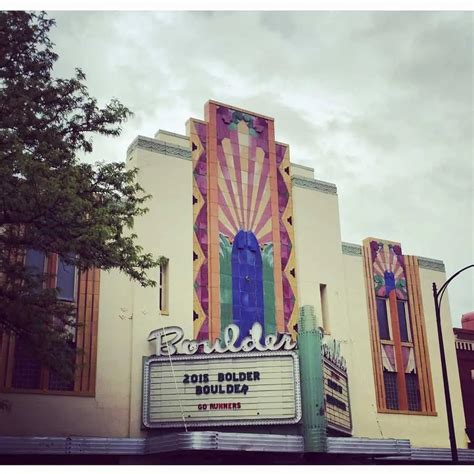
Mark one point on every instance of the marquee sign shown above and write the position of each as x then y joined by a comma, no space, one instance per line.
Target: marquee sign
221,389
336,389
252,382
255,382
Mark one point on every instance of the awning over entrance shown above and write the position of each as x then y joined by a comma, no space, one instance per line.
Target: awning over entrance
220,441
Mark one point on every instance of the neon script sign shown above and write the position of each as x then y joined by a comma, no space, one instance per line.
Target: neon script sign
170,341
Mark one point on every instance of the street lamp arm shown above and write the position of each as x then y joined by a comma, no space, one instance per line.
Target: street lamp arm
441,291
438,296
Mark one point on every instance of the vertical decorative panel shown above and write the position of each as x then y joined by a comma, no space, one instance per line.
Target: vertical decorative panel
394,278
86,336
421,354
285,211
212,220
198,137
377,350
250,275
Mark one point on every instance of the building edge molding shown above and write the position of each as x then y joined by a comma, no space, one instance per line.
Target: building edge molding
315,184
431,264
159,146
423,262
351,249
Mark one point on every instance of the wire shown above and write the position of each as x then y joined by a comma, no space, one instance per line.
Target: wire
174,375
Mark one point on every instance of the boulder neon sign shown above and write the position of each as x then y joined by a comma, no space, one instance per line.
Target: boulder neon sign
170,341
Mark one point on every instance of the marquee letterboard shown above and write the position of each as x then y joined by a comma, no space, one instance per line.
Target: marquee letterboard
221,389
336,395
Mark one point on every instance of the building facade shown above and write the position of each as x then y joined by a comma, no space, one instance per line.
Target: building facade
245,236
464,338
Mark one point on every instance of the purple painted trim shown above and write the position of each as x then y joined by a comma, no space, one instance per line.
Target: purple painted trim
201,231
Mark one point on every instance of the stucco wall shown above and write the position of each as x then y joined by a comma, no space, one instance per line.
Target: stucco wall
318,253
165,230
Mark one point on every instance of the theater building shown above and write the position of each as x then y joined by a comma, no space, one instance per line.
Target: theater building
266,332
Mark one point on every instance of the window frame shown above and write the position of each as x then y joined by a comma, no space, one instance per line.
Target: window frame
163,287
407,322
87,286
323,296
387,315
75,284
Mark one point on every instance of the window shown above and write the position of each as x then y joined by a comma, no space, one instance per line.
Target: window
391,389
26,369
401,390
403,321
323,293
19,370
35,263
163,286
382,318
413,392
66,280
58,383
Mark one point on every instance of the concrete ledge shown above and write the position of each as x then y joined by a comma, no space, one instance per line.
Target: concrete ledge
159,146
431,264
423,262
314,184
351,249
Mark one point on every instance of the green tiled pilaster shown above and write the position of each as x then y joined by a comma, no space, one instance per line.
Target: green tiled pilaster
269,289
312,382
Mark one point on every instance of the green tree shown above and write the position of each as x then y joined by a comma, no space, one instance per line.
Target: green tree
50,200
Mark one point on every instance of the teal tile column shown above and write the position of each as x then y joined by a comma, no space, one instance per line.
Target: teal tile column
312,383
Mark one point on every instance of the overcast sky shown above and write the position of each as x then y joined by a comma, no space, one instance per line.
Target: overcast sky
381,104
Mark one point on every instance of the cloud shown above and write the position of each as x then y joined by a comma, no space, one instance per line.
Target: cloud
379,103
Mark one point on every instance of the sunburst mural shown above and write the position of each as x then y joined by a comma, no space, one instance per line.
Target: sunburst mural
389,269
244,262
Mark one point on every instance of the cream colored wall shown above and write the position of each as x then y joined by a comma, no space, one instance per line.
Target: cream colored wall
422,431
318,254
358,353
165,230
